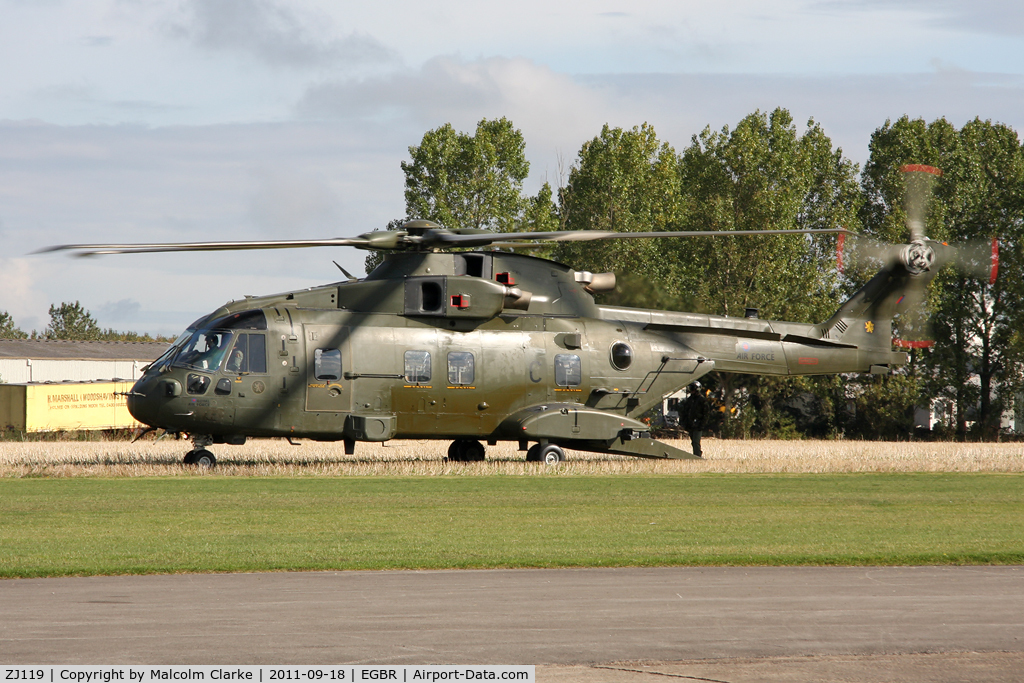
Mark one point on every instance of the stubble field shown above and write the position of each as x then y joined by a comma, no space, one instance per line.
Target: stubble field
427,458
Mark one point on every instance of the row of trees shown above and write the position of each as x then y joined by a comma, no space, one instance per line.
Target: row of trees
765,173
70,321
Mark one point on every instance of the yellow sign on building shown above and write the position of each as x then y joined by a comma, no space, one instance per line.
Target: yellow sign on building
67,406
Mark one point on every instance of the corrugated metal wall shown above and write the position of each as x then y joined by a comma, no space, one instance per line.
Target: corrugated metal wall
19,370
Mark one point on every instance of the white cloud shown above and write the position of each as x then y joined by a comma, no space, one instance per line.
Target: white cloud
87,184
19,295
555,112
275,118
443,86
285,203
276,33
118,311
992,17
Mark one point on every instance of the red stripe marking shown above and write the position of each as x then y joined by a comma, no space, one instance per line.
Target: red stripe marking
904,344
995,261
911,168
808,361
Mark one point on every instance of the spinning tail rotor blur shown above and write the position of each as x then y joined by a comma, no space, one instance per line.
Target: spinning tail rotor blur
920,259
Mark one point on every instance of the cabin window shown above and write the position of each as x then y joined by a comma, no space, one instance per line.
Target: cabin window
417,366
327,364
249,354
461,368
568,370
622,355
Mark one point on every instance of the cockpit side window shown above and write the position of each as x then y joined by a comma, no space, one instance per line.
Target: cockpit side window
205,349
249,355
257,353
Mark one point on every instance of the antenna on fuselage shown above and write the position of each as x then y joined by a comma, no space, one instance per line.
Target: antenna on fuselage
347,274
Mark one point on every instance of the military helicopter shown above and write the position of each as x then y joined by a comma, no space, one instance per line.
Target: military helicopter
487,345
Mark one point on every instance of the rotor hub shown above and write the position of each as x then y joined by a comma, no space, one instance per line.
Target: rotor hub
917,257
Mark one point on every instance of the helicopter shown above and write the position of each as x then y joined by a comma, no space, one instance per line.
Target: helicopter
493,345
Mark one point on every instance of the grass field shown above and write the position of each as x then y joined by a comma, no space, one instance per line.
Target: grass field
115,508
94,525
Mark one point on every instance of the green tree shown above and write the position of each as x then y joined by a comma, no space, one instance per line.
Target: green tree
540,213
72,321
883,406
762,175
765,175
977,359
622,181
8,330
468,181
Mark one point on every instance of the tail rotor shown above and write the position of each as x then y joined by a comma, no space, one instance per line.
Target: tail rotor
918,261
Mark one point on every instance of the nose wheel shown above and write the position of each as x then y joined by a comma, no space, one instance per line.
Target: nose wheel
199,455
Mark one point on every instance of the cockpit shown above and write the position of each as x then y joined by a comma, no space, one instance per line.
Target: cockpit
235,343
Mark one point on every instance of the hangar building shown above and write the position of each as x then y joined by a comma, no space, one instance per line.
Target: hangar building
51,385
52,360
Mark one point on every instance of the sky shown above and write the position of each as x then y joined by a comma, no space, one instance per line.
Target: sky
185,120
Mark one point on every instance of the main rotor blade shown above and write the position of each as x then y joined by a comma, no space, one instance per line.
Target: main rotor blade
471,240
99,249
920,180
428,239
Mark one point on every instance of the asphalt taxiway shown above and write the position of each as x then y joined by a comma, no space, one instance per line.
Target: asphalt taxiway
575,624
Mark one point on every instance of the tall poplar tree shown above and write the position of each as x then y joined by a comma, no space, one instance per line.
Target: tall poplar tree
976,364
468,181
762,175
622,181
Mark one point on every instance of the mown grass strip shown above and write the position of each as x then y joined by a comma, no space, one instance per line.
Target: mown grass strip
218,524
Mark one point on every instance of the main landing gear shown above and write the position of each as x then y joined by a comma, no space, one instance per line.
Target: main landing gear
199,455
466,450
549,454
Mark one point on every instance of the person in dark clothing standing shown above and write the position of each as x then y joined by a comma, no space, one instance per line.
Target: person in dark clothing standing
693,416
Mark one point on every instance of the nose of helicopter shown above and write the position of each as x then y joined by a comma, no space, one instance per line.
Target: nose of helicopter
141,401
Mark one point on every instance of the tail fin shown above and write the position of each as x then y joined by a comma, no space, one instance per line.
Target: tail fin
865,319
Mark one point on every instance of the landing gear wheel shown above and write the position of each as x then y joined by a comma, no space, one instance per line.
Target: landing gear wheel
200,457
205,458
552,454
466,450
533,455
